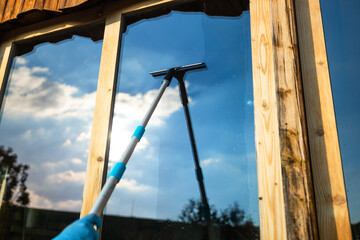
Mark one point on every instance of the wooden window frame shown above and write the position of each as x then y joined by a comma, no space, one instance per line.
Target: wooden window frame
300,177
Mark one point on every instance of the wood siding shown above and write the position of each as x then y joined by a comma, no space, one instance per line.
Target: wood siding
10,9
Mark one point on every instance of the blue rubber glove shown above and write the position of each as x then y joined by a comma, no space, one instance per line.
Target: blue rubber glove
81,229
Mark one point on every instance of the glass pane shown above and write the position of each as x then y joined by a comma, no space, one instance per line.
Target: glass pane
158,195
342,42
45,130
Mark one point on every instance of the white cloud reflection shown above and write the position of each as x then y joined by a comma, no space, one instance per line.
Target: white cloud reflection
34,94
68,176
40,97
132,185
210,161
129,111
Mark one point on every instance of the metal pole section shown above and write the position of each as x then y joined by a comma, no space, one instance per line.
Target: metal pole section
119,168
154,104
104,196
199,175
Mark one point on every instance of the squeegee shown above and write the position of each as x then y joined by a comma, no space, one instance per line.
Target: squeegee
179,75
120,167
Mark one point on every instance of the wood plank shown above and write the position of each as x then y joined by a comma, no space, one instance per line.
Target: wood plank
105,98
295,161
9,8
17,8
39,4
267,136
6,55
51,5
330,195
76,19
2,8
284,176
54,25
28,5
62,4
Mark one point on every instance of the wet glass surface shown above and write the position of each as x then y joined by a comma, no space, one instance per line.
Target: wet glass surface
44,136
160,182
340,19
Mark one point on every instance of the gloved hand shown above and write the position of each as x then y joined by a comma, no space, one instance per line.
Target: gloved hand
81,229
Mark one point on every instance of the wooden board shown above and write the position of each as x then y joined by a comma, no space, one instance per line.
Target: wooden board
295,161
10,5
281,137
15,11
53,26
6,56
105,98
52,5
267,137
330,195
10,9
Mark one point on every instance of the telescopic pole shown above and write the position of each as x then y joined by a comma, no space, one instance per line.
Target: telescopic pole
198,171
119,168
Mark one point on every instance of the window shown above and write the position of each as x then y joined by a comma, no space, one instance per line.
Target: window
45,130
159,184
280,124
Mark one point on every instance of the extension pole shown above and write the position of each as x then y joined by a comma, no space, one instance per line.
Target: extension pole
119,168
198,171
179,75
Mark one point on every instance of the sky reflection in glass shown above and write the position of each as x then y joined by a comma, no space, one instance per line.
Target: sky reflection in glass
47,116
160,177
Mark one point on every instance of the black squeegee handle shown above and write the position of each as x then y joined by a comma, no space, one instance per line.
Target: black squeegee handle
198,170
199,175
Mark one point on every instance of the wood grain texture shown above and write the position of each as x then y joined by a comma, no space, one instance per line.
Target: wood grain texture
105,97
10,5
51,5
53,26
330,195
28,5
16,10
267,136
295,161
2,9
6,52
10,9
280,129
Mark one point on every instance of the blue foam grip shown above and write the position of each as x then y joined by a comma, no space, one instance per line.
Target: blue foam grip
139,132
118,170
